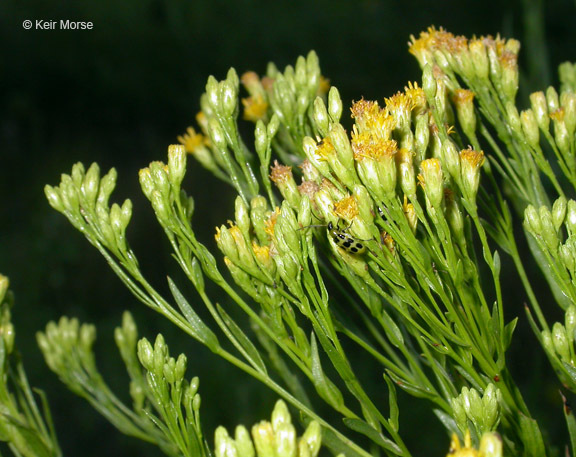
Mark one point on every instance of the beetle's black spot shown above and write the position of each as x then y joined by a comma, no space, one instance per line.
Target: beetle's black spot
347,244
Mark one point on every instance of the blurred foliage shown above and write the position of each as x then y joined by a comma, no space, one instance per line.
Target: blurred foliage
119,93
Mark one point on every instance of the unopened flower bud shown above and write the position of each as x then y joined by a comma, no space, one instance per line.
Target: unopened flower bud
431,179
559,212
313,438
540,109
146,354
243,442
334,104
548,233
176,164
263,437
530,128
560,342
320,116
490,445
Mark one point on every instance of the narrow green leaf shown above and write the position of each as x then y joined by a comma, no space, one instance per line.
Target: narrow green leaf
338,445
496,265
392,330
244,343
392,400
508,331
200,330
409,387
531,437
197,275
447,421
570,422
362,427
325,388
29,442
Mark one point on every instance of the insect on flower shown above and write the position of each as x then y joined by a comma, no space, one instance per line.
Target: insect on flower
343,239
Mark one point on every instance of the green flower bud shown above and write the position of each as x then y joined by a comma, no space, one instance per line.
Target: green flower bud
159,206
310,147
217,135
540,109
313,438
212,93
431,178
530,129
459,414
146,354
464,101
570,220
224,445
568,102
560,342
422,136
513,117
242,216
552,99
69,194
320,116
168,370
77,174
285,440
341,143
450,158
470,166
548,233
176,164
566,252
509,65
261,139
4,284
304,212
146,182
54,198
90,184
273,126
428,82
479,58
570,323
280,415
263,437
532,221
559,212
490,445
160,354
196,402
180,368
228,97
8,335
491,401
334,104
243,442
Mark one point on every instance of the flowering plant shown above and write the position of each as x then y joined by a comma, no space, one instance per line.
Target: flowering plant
403,218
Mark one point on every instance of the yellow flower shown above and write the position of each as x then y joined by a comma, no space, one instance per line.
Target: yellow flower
255,108
192,140
346,208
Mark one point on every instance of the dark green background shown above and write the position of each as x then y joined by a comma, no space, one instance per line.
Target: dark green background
120,93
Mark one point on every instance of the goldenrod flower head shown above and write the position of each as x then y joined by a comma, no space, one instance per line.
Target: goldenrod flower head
271,222
417,96
308,188
280,173
400,106
369,117
346,208
325,149
462,450
423,46
410,214
431,180
324,85
388,241
251,81
557,115
470,163
309,171
202,120
369,146
255,108
192,140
